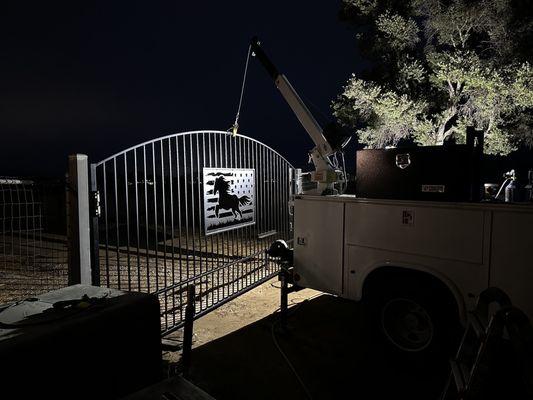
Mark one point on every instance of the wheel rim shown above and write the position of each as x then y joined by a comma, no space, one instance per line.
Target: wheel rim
407,324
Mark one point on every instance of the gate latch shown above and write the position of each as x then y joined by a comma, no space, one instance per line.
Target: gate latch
95,204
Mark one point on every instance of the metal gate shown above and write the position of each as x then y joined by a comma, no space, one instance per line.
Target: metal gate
195,208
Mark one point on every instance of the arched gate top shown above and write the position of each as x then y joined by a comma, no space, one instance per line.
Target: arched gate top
173,135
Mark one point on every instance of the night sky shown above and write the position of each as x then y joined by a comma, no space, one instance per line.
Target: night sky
99,76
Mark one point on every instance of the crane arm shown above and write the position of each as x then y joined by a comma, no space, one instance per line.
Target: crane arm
295,102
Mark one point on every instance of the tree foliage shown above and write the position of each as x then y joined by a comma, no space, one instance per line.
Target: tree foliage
437,67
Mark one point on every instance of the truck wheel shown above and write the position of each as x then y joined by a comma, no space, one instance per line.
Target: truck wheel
407,324
415,317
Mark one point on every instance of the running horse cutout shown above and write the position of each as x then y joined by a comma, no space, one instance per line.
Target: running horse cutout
228,201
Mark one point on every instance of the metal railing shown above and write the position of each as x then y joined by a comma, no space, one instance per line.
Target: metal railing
163,225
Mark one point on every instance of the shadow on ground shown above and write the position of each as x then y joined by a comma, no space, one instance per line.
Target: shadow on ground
328,345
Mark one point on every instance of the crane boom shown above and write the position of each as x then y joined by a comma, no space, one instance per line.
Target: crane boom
325,173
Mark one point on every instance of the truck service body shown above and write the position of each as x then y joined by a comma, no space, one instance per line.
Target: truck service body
339,241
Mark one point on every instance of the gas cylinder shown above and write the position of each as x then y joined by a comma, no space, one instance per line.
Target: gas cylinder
511,191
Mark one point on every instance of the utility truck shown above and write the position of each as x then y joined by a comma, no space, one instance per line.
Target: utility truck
419,265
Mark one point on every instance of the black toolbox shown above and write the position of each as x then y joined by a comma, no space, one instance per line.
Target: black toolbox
79,342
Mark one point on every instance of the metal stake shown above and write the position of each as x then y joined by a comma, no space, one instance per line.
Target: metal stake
188,330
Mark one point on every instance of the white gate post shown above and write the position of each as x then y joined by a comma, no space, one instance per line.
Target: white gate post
79,238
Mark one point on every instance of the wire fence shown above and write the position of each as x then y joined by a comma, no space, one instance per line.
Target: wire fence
33,239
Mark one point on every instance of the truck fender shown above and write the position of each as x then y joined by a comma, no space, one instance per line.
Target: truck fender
461,306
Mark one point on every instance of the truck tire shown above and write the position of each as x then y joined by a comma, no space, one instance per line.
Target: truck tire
415,318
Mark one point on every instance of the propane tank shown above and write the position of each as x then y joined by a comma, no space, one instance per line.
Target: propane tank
511,191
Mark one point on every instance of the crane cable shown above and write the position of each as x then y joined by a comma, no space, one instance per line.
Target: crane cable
234,128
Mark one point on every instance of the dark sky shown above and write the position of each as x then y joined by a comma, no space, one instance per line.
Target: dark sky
96,77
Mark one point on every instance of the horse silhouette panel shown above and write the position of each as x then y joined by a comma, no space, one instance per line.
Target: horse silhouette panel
229,198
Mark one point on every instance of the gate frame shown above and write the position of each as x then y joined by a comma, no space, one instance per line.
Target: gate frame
95,214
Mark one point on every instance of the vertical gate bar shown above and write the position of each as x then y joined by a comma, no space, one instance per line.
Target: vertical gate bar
173,274
202,226
248,164
251,164
126,190
274,200
246,231
285,183
116,218
283,174
287,186
281,197
137,224
178,177
279,200
238,232
241,234
225,235
193,221
146,221
233,164
214,238
198,188
273,214
260,203
283,205
270,205
163,194
257,228
264,206
212,276
106,224
278,197
156,219
186,205
267,207
95,232
208,239
217,164
270,211
257,207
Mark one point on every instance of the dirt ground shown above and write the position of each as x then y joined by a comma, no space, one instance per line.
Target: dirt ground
252,306
236,353
326,353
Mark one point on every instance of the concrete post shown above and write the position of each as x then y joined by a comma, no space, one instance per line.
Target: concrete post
79,237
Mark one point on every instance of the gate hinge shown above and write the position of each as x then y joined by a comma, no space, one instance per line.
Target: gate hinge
96,210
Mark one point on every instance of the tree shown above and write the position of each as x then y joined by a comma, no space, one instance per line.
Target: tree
437,67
